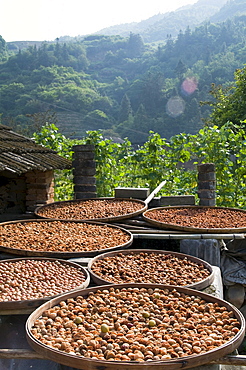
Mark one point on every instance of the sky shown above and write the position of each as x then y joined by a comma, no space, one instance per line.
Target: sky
46,20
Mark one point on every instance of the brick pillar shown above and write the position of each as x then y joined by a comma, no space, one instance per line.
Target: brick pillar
39,188
207,184
84,171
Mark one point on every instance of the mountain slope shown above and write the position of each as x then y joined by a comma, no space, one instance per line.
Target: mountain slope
123,86
156,28
229,10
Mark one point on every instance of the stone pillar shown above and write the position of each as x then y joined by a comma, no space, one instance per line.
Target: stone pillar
84,171
207,184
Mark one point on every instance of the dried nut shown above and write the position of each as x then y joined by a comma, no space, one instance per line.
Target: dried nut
152,323
78,320
104,328
146,314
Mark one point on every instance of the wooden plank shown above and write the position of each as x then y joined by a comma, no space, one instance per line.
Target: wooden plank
23,311
25,354
157,235
234,360
22,354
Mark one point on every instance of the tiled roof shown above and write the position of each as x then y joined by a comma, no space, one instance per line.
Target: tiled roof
19,154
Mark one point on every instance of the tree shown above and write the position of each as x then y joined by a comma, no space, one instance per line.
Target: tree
193,115
38,122
9,94
125,109
149,91
135,45
95,119
3,49
139,130
180,70
229,103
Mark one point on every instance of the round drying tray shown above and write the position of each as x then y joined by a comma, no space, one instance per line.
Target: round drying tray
198,219
150,266
27,283
61,238
195,328
96,209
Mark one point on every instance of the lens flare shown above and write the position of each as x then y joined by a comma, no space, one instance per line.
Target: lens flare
189,85
175,106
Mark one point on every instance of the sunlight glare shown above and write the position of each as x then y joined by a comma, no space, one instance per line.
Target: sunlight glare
189,86
175,106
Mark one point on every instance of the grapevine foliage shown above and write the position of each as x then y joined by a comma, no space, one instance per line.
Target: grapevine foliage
176,160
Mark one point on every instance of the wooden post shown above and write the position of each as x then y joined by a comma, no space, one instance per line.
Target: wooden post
207,184
84,171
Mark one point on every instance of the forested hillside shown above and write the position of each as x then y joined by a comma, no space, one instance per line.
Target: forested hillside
156,28
121,85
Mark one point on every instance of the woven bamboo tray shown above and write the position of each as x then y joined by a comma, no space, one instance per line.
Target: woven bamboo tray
23,305
199,285
56,253
184,227
173,364
142,206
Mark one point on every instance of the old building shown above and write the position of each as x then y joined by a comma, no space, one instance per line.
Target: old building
26,174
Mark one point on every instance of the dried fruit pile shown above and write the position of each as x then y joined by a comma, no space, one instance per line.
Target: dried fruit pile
90,209
33,279
149,267
59,236
199,217
135,324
